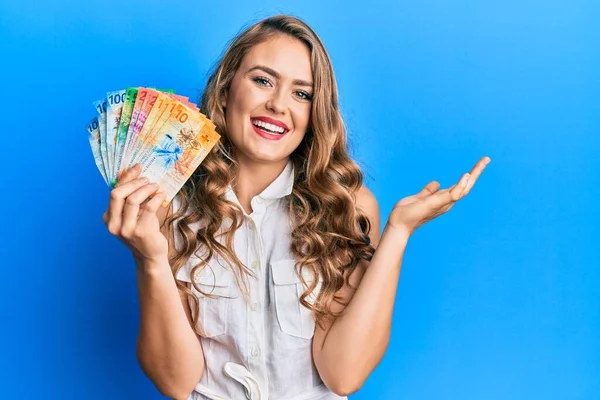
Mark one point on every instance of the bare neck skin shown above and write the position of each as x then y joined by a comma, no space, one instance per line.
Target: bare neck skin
253,178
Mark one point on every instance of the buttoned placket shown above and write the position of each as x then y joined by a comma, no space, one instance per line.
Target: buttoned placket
255,312
252,350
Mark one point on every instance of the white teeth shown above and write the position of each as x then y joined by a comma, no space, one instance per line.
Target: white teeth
267,126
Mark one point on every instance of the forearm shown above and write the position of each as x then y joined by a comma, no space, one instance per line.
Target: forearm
168,349
358,338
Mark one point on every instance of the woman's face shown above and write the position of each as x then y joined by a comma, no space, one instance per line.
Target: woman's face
268,103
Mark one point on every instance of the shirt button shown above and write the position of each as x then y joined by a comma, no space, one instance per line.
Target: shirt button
255,264
255,352
254,306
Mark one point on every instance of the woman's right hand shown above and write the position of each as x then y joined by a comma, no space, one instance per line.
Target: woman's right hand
133,219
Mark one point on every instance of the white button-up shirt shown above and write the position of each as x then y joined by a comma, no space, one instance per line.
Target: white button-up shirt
261,348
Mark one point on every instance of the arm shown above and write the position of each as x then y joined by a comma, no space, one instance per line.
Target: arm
347,350
168,350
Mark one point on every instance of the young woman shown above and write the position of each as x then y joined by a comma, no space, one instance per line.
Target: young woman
267,278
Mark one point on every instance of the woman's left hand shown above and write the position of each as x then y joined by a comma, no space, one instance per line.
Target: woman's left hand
413,211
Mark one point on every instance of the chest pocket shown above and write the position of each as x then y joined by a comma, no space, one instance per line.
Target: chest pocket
293,318
216,281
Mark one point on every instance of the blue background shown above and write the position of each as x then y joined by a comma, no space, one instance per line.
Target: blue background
498,299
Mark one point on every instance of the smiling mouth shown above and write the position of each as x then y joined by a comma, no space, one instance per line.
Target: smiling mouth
269,128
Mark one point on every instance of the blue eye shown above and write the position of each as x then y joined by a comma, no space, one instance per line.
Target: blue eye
304,95
261,80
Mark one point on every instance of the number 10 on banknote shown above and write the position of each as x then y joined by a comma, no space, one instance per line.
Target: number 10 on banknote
158,129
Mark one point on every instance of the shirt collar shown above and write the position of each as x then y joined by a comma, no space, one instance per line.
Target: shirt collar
282,185
279,188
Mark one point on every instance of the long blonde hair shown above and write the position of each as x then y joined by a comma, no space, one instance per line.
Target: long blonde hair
328,231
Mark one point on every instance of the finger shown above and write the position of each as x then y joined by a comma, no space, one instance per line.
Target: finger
448,196
130,174
482,163
428,190
155,202
150,209
127,188
457,191
475,173
116,202
132,207
145,202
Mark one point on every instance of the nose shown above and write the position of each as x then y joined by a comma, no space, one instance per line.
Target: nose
276,102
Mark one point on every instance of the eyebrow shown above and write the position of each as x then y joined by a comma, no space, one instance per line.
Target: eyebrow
277,75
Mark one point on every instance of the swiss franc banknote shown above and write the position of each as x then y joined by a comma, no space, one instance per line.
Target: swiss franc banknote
95,140
162,131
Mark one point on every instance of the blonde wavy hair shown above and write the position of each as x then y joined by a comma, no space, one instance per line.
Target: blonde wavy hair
329,233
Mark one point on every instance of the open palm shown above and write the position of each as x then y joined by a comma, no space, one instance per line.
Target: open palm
413,211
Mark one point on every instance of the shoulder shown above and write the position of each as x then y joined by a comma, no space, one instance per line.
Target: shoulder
366,200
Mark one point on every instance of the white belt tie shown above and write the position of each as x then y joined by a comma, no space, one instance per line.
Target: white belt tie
253,388
241,374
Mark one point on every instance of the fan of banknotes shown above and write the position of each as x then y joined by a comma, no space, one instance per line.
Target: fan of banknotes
165,133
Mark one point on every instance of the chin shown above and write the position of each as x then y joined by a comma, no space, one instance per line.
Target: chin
262,152
264,157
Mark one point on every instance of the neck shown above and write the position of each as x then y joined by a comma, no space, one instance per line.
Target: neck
253,178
